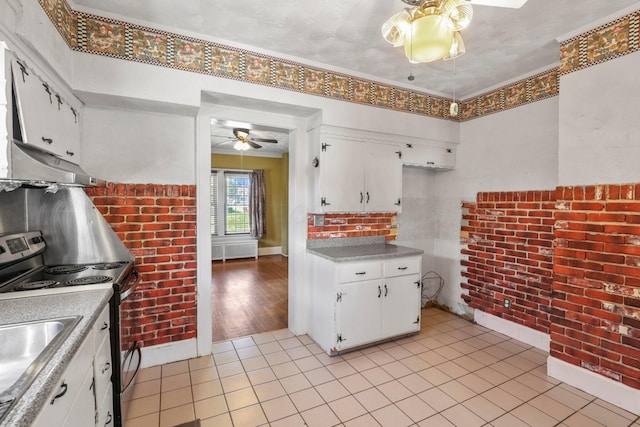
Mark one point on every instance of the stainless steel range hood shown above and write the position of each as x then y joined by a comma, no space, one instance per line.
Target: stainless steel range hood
32,165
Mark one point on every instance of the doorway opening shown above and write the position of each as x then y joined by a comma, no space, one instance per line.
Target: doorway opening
249,291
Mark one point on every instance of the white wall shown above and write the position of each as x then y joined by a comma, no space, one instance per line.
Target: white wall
416,222
513,150
138,147
600,124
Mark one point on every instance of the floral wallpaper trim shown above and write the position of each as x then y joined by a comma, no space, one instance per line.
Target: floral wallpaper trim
118,39
606,42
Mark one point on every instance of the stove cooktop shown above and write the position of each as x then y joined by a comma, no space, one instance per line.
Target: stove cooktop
55,277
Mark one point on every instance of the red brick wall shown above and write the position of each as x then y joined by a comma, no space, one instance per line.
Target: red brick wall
357,224
596,300
508,253
584,290
157,223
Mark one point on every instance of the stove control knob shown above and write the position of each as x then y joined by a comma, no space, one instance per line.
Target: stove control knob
37,239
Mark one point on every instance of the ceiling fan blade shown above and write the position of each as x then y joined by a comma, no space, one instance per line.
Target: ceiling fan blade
272,141
514,4
253,144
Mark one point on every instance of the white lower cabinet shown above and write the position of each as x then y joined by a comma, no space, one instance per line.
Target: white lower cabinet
83,394
358,303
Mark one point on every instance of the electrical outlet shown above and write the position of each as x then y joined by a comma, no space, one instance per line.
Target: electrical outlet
507,303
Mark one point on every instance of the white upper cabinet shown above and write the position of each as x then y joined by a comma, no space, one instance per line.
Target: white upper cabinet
361,171
47,120
429,156
359,176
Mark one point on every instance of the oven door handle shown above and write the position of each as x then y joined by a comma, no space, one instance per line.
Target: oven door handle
136,349
131,286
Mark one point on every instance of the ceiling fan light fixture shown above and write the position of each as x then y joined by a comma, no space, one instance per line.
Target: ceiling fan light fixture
241,146
429,39
430,29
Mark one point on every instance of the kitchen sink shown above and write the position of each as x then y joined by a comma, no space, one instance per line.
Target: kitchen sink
25,350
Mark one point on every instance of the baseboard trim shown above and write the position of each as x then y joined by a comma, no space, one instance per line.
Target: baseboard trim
513,330
170,352
604,388
274,250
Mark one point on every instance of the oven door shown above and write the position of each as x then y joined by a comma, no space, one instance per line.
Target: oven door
129,351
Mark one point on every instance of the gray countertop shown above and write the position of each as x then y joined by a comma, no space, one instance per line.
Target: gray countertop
88,304
375,251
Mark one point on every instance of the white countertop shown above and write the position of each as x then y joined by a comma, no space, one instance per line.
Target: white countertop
364,252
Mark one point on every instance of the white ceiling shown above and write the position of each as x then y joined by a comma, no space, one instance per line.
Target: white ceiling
502,44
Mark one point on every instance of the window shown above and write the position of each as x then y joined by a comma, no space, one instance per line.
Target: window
230,201
214,202
237,217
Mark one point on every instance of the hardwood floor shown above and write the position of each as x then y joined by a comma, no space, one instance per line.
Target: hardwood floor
249,296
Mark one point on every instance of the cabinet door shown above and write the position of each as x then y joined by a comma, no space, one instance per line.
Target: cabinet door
429,156
62,398
35,108
82,412
46,120
342,175
400,305
383,178
68,133
358,313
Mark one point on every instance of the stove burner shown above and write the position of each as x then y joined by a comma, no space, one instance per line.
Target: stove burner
40,284
65,269
89,280
108,265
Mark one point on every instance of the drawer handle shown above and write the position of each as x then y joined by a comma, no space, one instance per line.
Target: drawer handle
47,140
386,291
360,273
109,419
63,391
379,291
106,367
70,153
402,268
105,325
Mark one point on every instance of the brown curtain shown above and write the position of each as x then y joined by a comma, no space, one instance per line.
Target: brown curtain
257,204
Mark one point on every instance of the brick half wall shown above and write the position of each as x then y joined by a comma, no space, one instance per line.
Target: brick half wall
569,260
596,282
508,254
157,223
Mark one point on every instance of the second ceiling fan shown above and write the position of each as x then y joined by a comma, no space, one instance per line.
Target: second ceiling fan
244,141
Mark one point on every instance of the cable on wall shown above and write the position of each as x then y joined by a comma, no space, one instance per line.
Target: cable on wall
432,284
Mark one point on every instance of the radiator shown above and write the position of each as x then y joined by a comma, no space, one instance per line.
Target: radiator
232,249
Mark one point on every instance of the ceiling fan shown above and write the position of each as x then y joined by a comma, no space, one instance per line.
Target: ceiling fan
244,142
429,30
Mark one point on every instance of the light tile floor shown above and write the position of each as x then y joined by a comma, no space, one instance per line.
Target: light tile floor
453,373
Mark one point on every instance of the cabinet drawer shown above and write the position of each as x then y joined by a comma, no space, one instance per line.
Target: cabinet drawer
105,411
101,328
356,272
102,368
401,266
